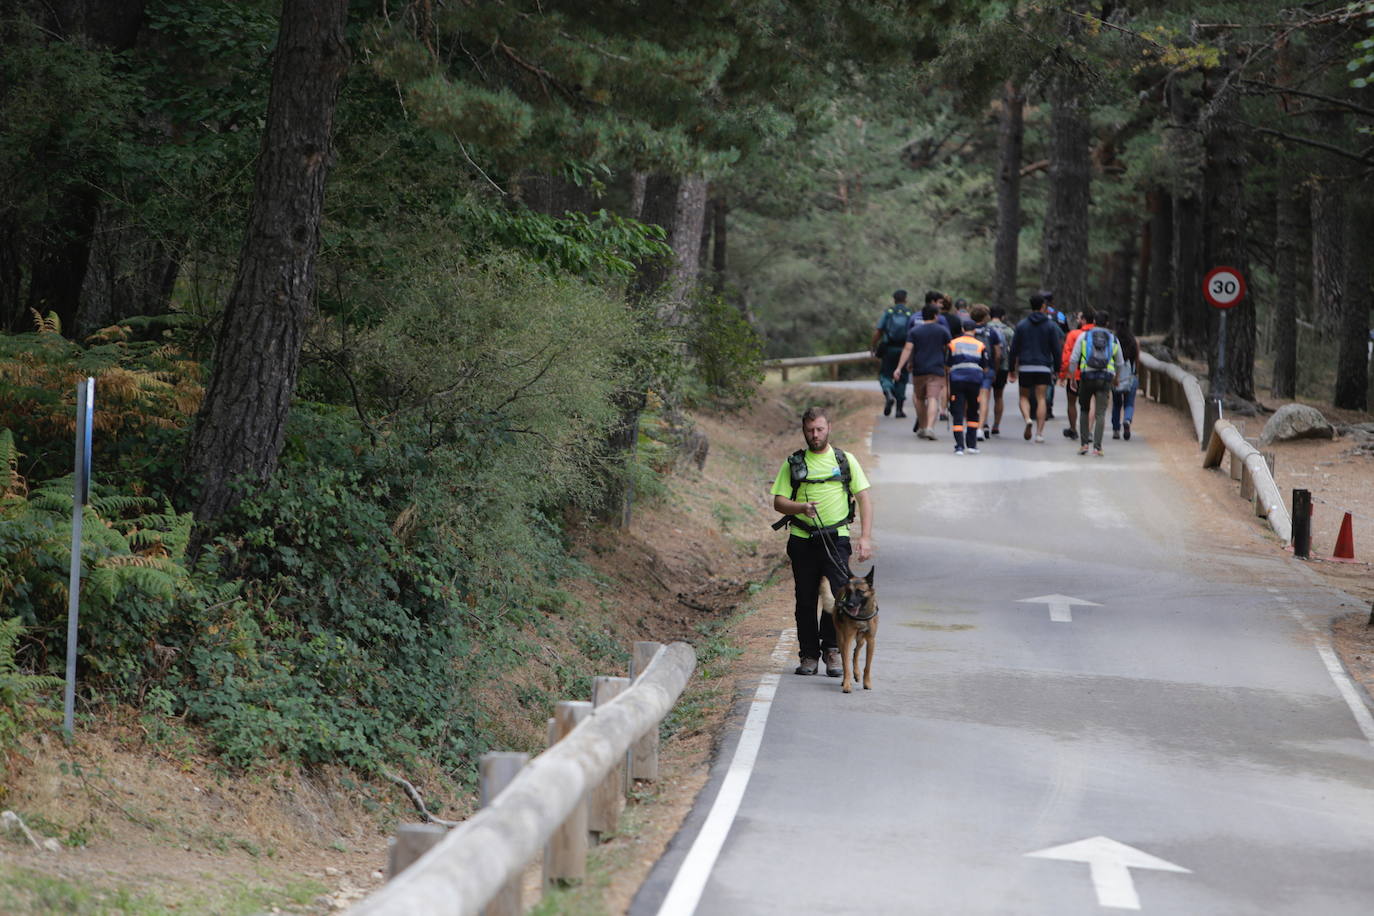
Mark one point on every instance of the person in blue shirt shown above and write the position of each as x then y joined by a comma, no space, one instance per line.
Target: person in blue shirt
924,353
966,362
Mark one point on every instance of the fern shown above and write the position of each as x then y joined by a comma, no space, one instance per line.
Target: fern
18,689
11,481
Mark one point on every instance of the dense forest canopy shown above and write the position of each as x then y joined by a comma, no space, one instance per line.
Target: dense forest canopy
379,296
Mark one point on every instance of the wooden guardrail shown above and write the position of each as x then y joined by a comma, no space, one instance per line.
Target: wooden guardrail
834,361
544,806
1255,471
1171,385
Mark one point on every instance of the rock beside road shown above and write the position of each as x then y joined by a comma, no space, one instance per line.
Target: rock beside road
1297,421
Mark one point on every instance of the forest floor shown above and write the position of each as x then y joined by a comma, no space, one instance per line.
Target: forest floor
150,825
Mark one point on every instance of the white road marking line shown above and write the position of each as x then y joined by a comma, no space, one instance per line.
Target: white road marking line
1348,691
685,892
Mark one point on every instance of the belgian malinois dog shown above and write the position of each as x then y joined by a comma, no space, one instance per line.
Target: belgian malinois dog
855,610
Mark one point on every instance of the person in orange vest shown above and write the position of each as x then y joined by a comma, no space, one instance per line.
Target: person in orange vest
967,360
1069,372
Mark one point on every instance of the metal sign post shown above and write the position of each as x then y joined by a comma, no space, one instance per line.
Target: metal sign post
81,495
1223,288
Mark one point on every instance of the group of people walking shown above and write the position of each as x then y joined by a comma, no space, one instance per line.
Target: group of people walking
959,359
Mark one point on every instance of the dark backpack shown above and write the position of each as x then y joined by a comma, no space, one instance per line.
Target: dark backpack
796,466
984,333
1097,352
895,324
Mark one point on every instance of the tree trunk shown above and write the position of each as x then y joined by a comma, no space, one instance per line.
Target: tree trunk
241,426
127,274
1189,328
1328,253
1286,228
1352,360
720,210
1142,275
1123,276
59,263
1160,286
1065,267
1226,245
678,204
1006,252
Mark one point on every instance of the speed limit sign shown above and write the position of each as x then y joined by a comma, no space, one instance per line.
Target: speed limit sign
1223,287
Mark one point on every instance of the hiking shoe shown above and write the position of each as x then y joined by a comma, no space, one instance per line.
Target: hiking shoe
997,430
1027,434
1040,439
887,406
958,453
808,666
1127,433
1116,434
900,412
1097,452
972,450
1082,450
1070,433
833,666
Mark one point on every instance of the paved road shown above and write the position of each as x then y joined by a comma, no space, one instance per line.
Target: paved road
1185,721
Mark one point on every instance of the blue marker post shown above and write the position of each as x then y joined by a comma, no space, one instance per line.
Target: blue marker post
81,495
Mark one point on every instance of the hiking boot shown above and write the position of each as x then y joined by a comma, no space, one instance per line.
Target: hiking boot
808,666
887,406
833,666
1027,434
1126,434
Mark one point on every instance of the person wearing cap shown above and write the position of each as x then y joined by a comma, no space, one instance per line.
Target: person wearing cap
966,362
888,340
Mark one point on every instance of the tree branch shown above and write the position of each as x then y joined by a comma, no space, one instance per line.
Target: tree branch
414,795
1287,90
1362,158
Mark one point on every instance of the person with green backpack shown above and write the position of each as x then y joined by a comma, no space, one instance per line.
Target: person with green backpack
1097,357
888,340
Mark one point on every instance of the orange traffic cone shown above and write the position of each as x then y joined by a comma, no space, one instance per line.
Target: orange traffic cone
1345,541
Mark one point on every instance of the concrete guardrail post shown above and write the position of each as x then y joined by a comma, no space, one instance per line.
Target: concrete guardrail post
644,752
412,841
608,798
565,856
495,771
1260,509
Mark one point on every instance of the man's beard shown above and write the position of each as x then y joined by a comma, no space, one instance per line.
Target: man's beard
819,447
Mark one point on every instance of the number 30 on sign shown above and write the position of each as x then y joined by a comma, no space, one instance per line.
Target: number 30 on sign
1223,287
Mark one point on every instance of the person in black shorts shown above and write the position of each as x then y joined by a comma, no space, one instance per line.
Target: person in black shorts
1035,357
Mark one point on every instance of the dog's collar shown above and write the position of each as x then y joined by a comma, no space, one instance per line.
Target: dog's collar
852,616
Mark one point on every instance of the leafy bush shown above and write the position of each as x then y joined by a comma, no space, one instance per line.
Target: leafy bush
726,353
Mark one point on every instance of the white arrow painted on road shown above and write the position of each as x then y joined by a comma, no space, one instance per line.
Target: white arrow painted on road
1059,606
1111,863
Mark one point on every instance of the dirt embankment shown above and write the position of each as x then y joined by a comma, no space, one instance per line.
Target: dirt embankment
149,823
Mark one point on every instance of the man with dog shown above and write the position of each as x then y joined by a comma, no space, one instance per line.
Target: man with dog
817,488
